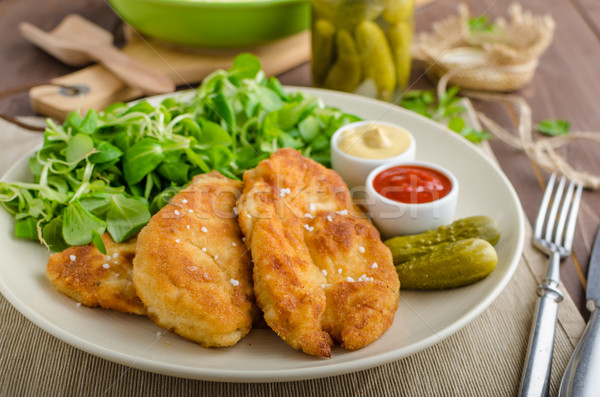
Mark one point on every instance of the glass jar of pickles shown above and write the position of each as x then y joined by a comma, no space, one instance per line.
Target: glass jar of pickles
362,46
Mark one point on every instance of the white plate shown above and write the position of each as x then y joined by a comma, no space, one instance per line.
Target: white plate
423,318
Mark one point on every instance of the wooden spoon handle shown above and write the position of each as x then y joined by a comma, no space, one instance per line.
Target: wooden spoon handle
133,72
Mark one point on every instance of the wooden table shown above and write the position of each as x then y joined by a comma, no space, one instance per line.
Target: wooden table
566,86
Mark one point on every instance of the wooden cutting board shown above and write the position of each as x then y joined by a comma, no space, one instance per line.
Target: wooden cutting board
186,67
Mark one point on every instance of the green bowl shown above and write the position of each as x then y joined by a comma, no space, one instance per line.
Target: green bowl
224,23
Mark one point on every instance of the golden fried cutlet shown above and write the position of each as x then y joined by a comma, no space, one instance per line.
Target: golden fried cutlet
191,268
321,272
94,279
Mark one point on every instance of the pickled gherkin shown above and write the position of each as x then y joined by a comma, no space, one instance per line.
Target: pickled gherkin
325,9
323,39
381,31
453,265
376,57
405,248
345,74
348,14
398,10
400,37
353,13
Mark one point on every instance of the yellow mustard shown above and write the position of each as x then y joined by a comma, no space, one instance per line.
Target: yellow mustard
374,141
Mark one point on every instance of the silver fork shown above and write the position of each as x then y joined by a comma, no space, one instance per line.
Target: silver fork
553,235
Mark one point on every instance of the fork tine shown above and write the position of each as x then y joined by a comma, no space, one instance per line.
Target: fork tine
539,221
570,231
564,211
554,209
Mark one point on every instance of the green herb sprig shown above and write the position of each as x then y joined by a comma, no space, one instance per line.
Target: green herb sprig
482,24
445,109
553,127
110,171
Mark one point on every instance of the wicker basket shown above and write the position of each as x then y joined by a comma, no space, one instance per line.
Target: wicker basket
502,59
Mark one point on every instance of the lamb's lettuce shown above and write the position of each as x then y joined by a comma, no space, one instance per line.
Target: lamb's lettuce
112,170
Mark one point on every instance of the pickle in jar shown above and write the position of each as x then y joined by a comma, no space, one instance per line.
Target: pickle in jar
376,57
400,37
380,31
323,39
345,74
398,10
348,14
324,8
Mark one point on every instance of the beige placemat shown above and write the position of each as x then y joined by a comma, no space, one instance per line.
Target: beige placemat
483,359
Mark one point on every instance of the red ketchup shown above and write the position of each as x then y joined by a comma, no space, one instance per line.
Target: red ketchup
412,184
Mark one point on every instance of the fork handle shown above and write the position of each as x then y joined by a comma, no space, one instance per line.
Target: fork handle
535,379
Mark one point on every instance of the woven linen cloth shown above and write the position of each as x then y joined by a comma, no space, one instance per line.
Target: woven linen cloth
485,358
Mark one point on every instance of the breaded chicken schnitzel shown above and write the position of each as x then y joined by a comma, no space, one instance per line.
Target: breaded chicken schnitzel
321,272
191,268
94,279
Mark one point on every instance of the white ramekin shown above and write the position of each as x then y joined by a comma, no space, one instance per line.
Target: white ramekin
394,218
354,170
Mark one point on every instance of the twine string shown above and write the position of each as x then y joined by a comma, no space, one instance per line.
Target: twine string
541,151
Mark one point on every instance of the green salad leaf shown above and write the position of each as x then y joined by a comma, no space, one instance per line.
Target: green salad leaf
113,170
141,159
79,223
98,242
126,217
